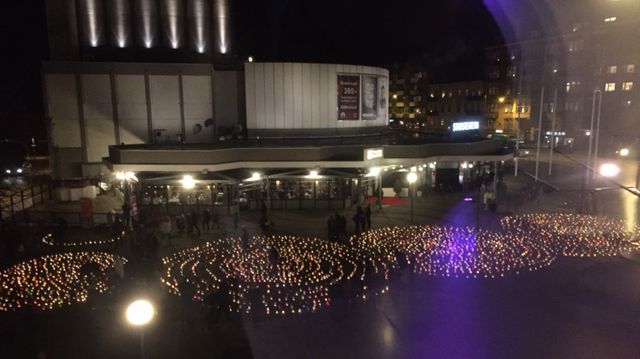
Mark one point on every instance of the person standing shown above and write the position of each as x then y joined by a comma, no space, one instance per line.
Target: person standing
367,214
341,226
194,220
126,214
216,219
245,240
331,228
358,219
206,219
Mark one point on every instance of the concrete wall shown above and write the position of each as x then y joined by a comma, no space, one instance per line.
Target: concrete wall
229,98
98,116
132,109
299,96
95,105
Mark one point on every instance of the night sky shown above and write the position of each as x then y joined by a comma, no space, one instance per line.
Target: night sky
446,36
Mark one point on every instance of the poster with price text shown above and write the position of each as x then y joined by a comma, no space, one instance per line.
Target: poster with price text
348,97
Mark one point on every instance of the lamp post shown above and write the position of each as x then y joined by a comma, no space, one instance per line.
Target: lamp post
412,177
140,313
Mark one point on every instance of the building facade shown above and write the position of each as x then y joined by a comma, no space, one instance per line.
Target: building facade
584,62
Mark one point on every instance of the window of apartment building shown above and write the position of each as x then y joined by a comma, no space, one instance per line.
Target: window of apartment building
572,86
627,86
630,68
610,19
575,45
612,69
610,86
399,104
571,106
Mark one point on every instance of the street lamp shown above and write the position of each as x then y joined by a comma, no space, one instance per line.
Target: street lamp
609,170
188,182
412,177
624,152
140,313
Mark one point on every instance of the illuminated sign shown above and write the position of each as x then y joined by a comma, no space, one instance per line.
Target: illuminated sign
373,153
466,126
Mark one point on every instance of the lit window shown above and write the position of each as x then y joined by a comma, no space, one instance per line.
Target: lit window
627,86
610,19
610,86
575,45
630,68
571,86
612,69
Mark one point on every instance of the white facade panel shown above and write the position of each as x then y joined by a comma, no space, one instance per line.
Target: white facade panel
297,96
197,108
260,110
289,98
165,106
279,96
132,109
307,98
250,91
98,116
269,98
62,102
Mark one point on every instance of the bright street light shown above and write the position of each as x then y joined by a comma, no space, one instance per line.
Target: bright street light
624,152
140,312
412,177
609,170
188,182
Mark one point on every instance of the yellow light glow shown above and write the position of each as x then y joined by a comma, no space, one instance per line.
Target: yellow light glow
140,312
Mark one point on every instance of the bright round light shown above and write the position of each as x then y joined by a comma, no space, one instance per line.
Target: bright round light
7,171
19,170
412,177
609,170
140,312
188,182
624,152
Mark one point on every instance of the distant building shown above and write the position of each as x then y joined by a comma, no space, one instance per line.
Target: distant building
407,90
591,48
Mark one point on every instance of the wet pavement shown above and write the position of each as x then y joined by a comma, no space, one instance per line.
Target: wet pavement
574,308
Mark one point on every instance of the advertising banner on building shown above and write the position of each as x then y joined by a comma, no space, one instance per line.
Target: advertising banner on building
348,97
369,97
383,93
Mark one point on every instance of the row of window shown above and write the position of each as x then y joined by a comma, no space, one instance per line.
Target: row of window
611,86
628,68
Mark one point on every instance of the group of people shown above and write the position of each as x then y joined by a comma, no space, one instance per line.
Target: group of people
337,223
362,218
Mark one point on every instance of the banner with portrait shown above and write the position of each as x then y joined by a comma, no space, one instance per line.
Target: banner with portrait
369,97
383,94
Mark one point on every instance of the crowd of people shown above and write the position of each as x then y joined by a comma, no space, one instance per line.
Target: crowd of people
337,223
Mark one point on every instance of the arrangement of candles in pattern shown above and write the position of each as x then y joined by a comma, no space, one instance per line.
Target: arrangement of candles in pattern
49,240
576,235
54,281
281,274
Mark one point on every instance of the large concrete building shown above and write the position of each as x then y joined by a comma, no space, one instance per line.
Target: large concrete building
152,88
